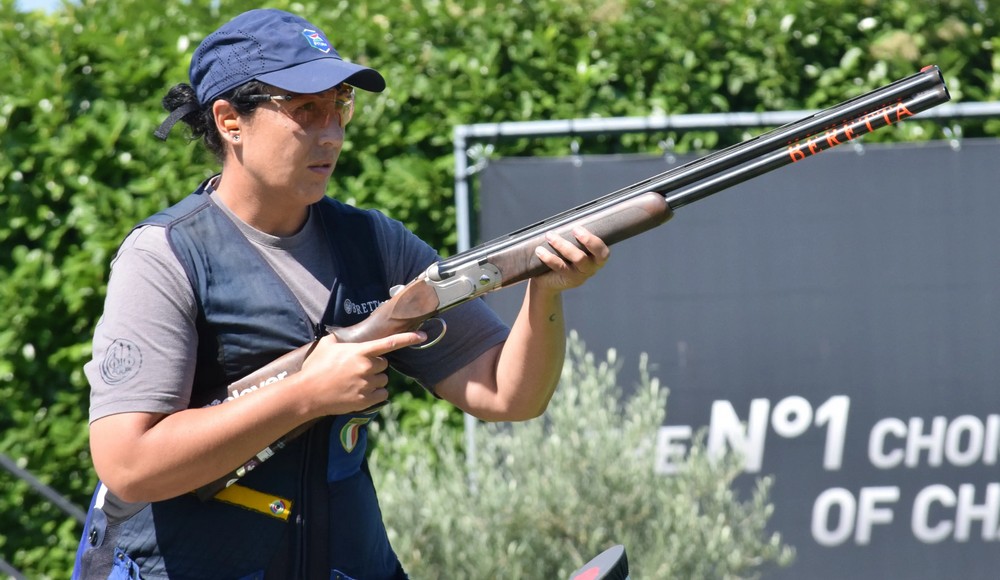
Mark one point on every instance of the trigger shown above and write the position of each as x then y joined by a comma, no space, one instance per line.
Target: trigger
431,341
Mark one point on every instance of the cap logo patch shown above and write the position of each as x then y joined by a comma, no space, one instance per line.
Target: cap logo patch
316,40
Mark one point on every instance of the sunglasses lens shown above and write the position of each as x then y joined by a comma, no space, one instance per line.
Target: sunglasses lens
314,110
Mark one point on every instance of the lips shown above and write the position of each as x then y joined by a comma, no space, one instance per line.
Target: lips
321,166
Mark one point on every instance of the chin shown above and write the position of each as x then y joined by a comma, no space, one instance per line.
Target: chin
315,189
313,196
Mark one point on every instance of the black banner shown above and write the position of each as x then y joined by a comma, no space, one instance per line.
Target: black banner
837,321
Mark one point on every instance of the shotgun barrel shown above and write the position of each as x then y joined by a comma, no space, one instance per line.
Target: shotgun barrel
727,167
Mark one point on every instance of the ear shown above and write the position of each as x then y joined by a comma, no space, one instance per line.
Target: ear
226,119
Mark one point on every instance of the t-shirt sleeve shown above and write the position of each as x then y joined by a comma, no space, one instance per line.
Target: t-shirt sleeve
472,328
145,343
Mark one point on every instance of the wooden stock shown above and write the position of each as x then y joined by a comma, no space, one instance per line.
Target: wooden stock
404,312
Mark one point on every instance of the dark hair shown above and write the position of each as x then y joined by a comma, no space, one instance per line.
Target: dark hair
201,119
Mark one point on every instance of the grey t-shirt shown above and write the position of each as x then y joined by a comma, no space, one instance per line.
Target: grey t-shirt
145,343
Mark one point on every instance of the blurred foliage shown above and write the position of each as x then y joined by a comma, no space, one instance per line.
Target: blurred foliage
79,99
545,496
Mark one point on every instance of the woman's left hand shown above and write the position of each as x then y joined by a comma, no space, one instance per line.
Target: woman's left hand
571,265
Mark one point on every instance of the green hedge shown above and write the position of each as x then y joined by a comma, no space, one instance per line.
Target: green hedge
545,496
79,99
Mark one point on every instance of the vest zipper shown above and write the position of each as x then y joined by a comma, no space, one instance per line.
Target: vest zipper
303,520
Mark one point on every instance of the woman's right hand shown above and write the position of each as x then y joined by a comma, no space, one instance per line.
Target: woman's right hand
349,377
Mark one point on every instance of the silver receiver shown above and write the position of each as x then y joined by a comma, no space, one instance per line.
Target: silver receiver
463,283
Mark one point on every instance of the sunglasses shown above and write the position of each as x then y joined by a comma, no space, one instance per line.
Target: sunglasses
313,110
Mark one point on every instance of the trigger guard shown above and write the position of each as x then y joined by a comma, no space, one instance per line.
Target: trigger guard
436,339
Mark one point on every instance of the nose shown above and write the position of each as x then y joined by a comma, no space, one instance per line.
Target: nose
331,133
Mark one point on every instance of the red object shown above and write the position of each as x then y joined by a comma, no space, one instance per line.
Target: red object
588,574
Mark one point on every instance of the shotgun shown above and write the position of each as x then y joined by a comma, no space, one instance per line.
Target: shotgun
619,215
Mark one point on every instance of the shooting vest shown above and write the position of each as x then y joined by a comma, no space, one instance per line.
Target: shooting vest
310,511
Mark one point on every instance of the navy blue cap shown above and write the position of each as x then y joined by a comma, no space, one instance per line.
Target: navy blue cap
276,48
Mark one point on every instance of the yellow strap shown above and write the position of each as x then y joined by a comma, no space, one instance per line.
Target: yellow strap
270,505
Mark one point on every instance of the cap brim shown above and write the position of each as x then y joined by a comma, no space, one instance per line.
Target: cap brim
319,75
